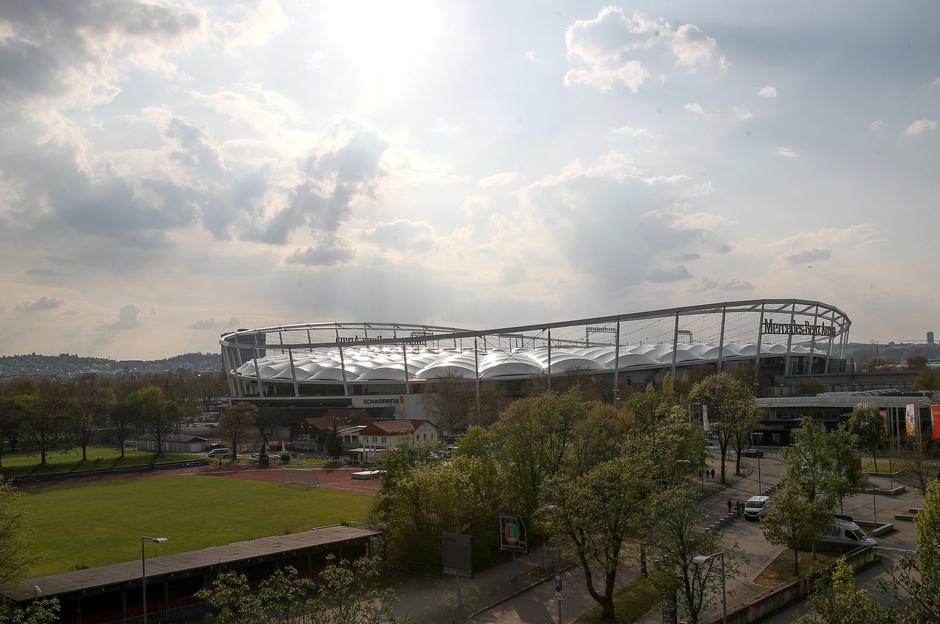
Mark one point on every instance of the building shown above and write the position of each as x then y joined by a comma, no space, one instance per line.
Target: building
311,433
391,369
174,443
782,414
385,435
930,338
113,593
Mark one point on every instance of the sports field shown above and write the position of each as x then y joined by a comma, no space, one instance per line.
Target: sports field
92,525
21,464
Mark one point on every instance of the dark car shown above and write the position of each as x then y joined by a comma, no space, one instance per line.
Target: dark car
752,452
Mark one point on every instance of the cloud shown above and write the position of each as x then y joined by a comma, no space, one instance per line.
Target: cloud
73,51
601,48
212,324
768,91
935,82
402,236
699,221
695,108
328,250
919,127
742,113
639,220
876,125
803,256
662,276
498,179
251,25
343,168
706,284
530,56
441,126
128,318
43,303
633,133
785,152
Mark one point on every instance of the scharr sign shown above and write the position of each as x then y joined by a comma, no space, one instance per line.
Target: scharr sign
797,329
378,400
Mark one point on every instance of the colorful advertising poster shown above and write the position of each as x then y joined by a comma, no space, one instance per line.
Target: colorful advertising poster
910,420
884,417
935,418
512,534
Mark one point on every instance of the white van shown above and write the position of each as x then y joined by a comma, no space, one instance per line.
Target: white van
845,531
756,507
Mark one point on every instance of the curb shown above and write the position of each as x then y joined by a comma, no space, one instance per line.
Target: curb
519,591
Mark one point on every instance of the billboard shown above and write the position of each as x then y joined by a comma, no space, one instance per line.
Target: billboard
512,534
910,420
935,421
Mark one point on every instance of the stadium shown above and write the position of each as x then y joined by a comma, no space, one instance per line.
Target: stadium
381,364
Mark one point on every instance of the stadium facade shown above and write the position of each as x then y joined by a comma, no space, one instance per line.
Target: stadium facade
373,364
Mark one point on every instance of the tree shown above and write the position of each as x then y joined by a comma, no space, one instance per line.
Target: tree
45,611
45,420
839,601
915,581
534,434
730,406
868,425
122,417
599,510
334,446
915,362
795,521
151,410
91,407
451,402
678,541
845,472
14,545
11,416
926,379
914,460
234,421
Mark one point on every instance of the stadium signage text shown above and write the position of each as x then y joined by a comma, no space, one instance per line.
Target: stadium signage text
601,330
419,339
378,401
797,329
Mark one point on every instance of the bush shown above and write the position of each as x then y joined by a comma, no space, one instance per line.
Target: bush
285,457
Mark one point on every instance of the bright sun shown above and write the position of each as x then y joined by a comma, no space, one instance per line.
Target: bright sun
387,41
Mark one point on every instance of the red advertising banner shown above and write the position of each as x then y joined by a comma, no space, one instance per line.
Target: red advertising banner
935,417
884,417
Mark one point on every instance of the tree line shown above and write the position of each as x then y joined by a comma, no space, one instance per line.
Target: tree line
48,414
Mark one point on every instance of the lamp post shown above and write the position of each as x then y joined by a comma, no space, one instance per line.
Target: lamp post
700,560
143,566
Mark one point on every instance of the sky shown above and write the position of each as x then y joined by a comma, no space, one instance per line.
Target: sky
173,170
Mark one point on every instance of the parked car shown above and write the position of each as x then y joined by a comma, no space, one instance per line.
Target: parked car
752,452
219,452
845,531
756,507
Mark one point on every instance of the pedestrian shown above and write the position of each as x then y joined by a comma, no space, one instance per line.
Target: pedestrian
713,473
729,505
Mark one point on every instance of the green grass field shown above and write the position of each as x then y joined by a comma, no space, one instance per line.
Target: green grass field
630,603
93,525
21,464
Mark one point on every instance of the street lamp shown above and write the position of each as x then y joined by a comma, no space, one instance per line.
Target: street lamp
700,560
143,566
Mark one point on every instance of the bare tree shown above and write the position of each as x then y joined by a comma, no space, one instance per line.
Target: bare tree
235,420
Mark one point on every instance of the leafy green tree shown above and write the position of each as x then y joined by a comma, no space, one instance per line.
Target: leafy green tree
46,419
839,601
846,475
731,410
534,435
868,425
45,611
915,581
11,417
678,540
149,406
457,495
334,446
122,418
14,544
795,521
478,442
599,510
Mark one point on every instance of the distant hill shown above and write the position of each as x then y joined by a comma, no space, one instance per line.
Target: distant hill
66,365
